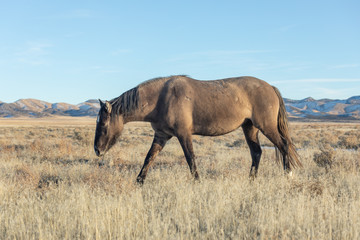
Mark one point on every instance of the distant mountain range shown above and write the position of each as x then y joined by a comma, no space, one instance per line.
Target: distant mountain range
324,109
38,108
305,109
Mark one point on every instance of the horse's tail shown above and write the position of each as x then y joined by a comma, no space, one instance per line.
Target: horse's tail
283,129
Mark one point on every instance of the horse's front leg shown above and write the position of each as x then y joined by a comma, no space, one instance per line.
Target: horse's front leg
157,145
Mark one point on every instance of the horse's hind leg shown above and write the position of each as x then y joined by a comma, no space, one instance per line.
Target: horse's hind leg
274,136
252,139
157,145
186,144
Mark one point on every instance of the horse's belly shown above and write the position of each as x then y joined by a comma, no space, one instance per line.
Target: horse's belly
210,127
219,119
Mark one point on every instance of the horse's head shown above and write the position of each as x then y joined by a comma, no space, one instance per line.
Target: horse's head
108,128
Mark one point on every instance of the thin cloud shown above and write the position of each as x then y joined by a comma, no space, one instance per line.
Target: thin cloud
120,51
106,69
320,80
74,34
232,52
79,13
35,53
318,88
72,14
287,28
338,93
217,54
353,65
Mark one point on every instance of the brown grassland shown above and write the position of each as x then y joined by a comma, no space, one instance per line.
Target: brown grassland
52,186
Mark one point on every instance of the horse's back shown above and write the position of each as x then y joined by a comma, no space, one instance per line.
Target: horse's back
215,107
244,94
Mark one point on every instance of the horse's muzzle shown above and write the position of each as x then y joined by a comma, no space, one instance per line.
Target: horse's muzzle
97,152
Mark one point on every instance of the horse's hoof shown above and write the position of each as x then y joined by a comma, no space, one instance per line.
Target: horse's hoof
252,174
140,181
252,177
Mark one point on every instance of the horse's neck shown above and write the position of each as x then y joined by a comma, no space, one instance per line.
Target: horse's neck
147,104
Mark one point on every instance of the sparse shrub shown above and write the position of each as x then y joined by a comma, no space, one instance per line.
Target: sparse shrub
347,163
48,180
78,136
64,147
101,178
349,142
236,143
325,158
37,146
313,187
83,136
25,174
329,138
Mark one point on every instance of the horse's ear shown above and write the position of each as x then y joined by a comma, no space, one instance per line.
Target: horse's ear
108,106
101,102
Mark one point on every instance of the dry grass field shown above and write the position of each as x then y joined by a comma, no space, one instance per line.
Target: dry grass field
52,186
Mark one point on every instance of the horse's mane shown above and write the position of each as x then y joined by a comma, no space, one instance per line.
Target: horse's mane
126,103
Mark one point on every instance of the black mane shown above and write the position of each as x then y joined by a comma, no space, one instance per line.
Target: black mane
126,103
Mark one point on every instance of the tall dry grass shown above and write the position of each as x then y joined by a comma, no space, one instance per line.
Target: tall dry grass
53,187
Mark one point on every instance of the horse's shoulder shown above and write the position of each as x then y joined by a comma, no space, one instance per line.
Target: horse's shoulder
178,82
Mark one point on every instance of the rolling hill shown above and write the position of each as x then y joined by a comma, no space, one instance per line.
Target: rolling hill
305,109
38,108
324,109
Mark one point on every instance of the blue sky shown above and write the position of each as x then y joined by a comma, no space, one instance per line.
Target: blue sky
72,51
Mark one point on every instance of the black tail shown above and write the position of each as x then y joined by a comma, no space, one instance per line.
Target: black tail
283,129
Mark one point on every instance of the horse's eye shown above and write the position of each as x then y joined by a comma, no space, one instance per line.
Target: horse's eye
103,124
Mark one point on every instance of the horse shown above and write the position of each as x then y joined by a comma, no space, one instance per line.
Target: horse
179,106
